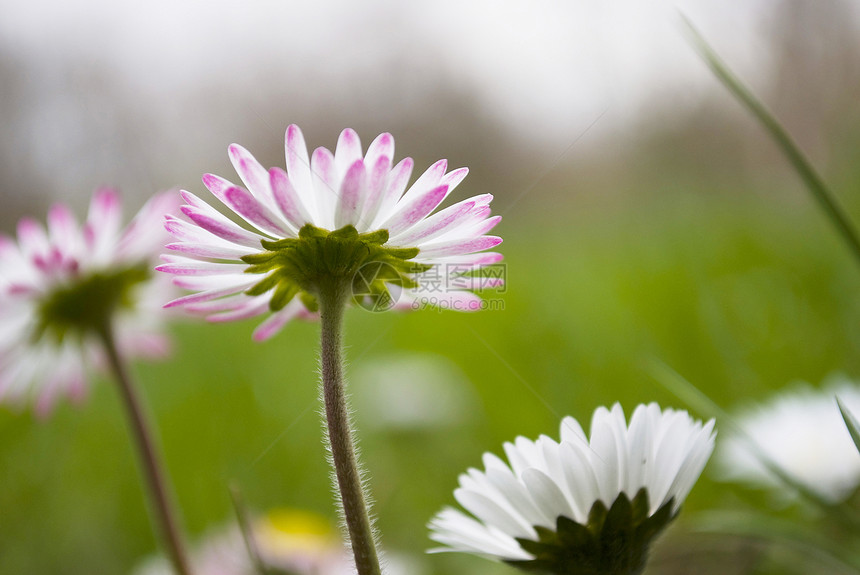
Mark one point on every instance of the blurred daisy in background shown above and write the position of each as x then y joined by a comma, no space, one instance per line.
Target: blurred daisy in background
61,285
589,505
346,214
289,542
412,391
802,432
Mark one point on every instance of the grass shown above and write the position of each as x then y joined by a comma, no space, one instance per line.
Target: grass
739,294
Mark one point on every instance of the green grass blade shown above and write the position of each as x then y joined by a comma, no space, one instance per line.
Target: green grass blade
851,423
793,536
814,183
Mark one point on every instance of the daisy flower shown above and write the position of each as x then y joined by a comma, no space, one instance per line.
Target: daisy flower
802,432
60,284
346,215
580,505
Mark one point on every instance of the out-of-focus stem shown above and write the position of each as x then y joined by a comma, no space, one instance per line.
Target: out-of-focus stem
151,467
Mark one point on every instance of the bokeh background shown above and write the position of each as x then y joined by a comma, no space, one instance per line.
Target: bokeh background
646,216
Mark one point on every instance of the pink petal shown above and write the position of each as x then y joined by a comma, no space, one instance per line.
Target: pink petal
255,212
222,227
287,199
144,235
430,179
236,282
31,237
457,247
471,228
376,181
325,186
398,179
351,191
348,150
230,302
255,176
200,297
215,184
470,261
255,306
410,212
276,321
103,221
299,166
453,179
381,147
434,225
185,266
62,226
209,250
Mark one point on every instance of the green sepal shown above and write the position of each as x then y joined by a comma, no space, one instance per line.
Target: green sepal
264,285
310,231
87,304
403,253
260,258
614,541
300,265
278,244
284,294
310,301
378,237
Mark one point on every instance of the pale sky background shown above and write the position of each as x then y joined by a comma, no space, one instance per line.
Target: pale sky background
545,69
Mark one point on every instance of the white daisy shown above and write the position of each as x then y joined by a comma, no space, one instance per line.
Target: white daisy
559,506
57,286
329,214
801,431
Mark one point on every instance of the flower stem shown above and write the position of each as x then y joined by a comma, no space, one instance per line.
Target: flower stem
333,297
143,438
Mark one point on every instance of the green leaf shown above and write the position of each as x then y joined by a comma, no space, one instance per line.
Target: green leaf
851,423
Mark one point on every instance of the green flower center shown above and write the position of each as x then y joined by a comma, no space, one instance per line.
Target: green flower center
88,303
299,266
614,541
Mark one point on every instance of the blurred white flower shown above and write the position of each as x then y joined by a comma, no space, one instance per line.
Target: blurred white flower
60,285
289,541
558,503
412,391
801,431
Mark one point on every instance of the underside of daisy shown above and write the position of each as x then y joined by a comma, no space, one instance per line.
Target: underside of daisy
326,217
302,265
581,505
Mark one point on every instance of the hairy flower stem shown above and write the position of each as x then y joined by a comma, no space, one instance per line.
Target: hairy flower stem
143,438
333,298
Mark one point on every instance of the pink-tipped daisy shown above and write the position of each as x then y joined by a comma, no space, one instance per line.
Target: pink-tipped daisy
60,285
580,505
343,215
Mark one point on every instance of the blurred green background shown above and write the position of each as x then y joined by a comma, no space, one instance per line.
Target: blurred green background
677,234
740,297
